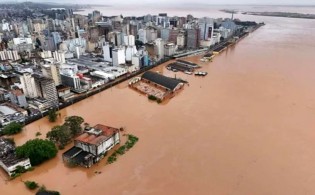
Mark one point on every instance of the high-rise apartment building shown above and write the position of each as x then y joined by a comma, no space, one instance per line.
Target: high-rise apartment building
28,85
46,89
169,49
165,34
142,35
72,81
159,48
52,71
17,97
9,55
129,40
107,52
180,40
193,38
206,26
118,56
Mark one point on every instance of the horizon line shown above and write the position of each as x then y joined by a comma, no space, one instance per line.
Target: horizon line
225,4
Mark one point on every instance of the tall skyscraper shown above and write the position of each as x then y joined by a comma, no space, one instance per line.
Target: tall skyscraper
165,34
59,56
130,51
72,81
107,52
57,38
169,49
17,97
46,88
129,40
206,26
116,38
180,40
193,37
133,28
118,56
52,71
29,85
142,35
159,48
173,35
151,34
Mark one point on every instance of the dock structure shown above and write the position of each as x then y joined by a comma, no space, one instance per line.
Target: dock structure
179,67
182,65
195,52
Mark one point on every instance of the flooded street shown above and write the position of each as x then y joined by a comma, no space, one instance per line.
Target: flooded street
248,127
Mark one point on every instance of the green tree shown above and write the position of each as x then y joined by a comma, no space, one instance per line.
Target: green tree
12,128
52,115
37,150
43,189
60,135
31,185
20,169
74,123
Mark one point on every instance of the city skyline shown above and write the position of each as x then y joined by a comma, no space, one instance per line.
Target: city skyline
183,2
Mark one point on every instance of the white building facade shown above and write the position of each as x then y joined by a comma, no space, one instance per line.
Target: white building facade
118,56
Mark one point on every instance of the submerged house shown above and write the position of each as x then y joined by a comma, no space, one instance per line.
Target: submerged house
8,160
91,146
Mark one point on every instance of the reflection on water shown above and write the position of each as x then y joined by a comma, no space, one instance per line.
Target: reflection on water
246,128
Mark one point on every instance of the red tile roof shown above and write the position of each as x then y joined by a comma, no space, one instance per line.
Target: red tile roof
107,132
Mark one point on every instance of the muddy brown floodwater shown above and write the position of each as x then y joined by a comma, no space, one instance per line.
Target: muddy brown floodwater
246,128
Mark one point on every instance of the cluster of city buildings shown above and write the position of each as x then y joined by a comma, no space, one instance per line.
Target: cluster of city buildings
51,56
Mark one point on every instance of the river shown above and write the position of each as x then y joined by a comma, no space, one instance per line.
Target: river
246,128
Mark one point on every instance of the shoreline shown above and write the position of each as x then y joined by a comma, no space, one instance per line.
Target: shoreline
282,15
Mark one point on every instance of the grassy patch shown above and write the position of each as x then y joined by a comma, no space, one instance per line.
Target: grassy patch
132,140
31,185
153,98
43,189
19,171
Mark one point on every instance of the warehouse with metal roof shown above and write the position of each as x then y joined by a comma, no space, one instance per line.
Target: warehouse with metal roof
163,81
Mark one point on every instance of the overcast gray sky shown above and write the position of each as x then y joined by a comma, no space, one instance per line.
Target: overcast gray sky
261,2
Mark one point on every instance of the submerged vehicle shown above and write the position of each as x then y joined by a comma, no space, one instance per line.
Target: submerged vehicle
188,72
201,73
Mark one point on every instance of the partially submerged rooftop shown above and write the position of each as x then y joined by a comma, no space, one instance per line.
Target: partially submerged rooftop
7,153
6,147
72,152
167,82
98,134
11,159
